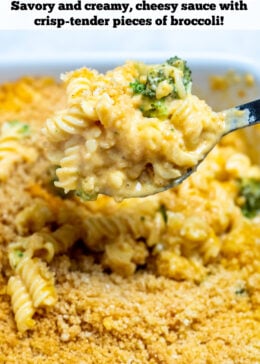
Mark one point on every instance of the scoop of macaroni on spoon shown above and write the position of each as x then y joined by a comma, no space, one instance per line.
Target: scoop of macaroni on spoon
136,130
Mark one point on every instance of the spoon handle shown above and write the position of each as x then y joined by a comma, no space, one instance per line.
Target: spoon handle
242,116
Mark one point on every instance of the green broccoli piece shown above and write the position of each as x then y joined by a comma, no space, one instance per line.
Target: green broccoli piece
182,65
138,87
241,291
158,73
149,80
86,196
19,253
22,128
16,257
163,211
154,77
250,190
156,109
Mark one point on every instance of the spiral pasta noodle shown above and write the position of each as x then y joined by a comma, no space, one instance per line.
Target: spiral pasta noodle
77,89
194,118
68,173
56,242
44,244
21,303
38,281
109,227
12,149
66,123
27,256
34,217
30,288
78,84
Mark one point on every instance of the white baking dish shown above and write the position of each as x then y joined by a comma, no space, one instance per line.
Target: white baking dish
202,66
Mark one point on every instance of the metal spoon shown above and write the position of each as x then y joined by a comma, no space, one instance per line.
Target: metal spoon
236,118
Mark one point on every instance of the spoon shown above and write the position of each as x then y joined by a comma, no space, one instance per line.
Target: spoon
236,118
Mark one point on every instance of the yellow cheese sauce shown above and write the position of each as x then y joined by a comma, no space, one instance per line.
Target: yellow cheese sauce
131,131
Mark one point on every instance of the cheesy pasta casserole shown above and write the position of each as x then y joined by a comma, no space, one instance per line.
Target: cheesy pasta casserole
169,278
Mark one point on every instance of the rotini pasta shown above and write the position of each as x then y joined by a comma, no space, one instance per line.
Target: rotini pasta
68,173
66,124
99,228
34,217
124,255
44,244
38,281
21,303
27,257
12,149
30,288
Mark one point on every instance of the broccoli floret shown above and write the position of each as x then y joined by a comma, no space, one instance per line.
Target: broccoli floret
154,77
138,87
148,88
250,190
149,80
158,73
